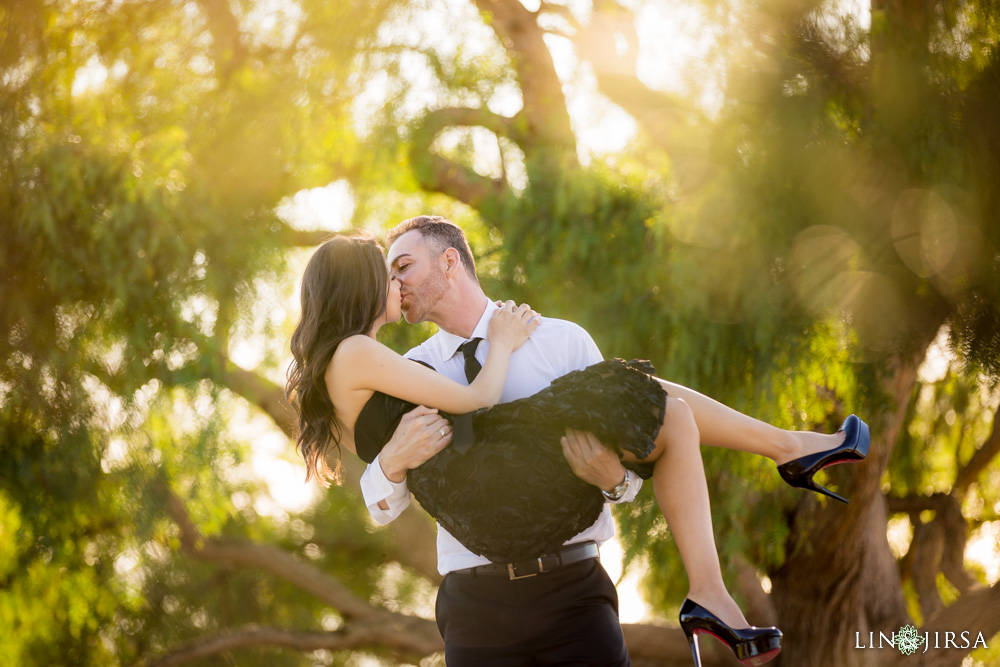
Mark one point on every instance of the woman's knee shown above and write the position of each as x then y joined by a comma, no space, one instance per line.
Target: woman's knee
680,420
679,429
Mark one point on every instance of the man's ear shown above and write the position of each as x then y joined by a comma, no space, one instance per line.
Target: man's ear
453,262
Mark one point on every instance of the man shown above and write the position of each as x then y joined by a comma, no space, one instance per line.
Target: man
506,614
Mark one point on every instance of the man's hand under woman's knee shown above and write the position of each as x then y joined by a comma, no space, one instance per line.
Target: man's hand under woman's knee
591,461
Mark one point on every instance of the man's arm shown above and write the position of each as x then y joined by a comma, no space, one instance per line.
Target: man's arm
421,434
590,460
384,500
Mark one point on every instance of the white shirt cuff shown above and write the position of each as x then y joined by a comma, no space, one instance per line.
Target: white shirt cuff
376,487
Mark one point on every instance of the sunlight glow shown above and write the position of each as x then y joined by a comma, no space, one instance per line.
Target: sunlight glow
899,533
632,606
274,461
983,550
675,42
935,365
90,76
330,207
285,480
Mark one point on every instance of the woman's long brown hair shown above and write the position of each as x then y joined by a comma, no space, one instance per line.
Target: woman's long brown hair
344,291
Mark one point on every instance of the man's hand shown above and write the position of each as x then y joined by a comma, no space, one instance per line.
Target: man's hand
421,434
591,461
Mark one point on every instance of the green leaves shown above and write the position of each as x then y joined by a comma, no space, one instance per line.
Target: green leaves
783,251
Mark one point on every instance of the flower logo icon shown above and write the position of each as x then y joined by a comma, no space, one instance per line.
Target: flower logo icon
908,640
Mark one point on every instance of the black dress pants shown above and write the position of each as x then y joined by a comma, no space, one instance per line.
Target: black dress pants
568,616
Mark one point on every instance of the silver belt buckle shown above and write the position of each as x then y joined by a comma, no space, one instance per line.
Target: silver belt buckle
514,575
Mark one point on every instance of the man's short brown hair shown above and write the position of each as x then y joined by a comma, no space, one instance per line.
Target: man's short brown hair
441,233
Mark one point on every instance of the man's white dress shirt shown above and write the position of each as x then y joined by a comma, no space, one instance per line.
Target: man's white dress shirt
556,347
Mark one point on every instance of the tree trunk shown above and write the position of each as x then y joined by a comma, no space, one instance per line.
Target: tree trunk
840,577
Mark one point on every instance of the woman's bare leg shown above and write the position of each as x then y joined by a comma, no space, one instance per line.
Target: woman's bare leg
721,426
682,494
692,419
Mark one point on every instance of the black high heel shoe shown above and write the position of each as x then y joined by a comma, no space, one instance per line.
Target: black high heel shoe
799,472
752,646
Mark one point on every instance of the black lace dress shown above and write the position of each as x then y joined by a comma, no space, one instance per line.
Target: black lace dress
511,495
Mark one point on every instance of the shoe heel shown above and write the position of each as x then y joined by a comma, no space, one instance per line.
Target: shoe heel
752,646
812,485
799,472
864,441
695,650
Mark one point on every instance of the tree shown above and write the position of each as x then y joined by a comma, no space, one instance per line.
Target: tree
145,152
795,251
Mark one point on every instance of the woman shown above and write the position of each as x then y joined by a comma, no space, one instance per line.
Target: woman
351,391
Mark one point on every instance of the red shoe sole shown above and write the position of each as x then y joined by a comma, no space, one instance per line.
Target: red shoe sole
762,658
753,661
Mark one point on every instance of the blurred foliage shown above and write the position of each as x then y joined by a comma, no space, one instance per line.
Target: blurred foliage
139,178
831,214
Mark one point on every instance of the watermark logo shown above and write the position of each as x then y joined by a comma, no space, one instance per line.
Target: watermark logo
908,640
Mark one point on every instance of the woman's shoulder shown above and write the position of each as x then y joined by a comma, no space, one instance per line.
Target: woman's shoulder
355,361
353,349
357,343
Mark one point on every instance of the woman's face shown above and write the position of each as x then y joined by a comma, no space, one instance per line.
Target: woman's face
392,302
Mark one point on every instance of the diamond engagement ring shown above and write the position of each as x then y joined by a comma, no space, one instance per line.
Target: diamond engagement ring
441,431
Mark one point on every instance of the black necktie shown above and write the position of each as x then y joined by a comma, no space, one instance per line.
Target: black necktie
472,366
462,435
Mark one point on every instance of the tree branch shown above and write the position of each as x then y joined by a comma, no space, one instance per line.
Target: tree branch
230,52
412,543
974,612
269,559
661,116
440,119
412,533
898,383
368,635
648,644
455,180
544,110
980,460
365,625
915,504
610,25
938,546
442,175
259,391
562,11
956,533
413,631
666,647
928,549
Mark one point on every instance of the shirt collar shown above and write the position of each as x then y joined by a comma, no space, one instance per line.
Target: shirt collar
450,342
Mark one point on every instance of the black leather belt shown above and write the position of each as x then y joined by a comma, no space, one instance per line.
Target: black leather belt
529,568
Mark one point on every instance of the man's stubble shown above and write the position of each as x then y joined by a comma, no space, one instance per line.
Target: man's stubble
425,297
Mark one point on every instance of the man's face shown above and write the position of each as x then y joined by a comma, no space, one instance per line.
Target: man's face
420,271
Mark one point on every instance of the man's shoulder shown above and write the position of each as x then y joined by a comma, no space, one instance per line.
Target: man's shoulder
566,345
552,326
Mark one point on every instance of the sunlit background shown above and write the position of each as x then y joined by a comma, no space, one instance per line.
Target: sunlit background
789,205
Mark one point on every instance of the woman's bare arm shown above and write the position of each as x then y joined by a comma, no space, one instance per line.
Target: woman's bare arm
361,363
